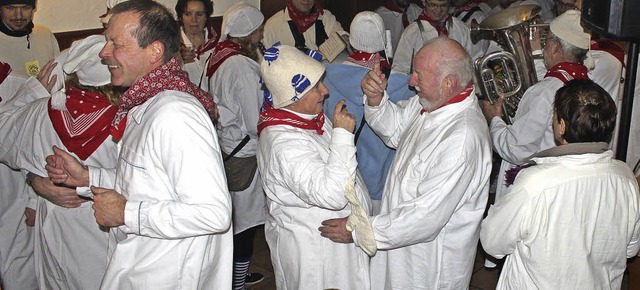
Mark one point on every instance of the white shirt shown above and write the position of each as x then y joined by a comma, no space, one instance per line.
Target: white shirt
178,213
413,39
277,29
569,222
305,176
14,51
196,69
393,21
435,194
531,131
237,89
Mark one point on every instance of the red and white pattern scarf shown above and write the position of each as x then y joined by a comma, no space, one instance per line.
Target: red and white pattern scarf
273,117
210,43
168,76
439,25
222,52
457,99
304,21
566,71
368,60
610,47
391,5
85,124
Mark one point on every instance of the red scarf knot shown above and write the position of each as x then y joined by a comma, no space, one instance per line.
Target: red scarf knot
273,117
222,52
368,60
210,43
304,21
566,71
439,25
169,76
610,47
457,99
85,124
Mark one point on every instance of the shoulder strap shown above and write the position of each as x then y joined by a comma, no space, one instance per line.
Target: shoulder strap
470,13
297,36
362,121
321,35
421,29
238,148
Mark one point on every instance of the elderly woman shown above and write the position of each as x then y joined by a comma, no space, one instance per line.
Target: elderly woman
198,37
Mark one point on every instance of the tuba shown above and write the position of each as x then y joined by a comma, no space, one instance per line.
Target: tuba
510,72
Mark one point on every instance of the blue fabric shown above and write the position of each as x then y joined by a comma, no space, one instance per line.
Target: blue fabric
374,158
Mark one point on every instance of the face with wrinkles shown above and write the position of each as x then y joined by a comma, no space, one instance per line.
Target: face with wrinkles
16,16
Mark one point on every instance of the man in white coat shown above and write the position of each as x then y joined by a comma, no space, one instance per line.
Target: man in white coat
397,15
571,215
169,210
234,79
307,164
437,188
434,21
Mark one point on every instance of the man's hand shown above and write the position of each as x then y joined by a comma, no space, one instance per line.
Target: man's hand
373,85
108,206
342,118
66,169
336,230
30,217
58,195
492,110
44,76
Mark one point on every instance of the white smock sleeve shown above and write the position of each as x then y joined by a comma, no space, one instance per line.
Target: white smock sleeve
389,120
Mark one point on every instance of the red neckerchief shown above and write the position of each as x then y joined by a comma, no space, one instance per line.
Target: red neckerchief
610,47
457,99
222,52
169,76
368,60
566,71
304,21
84,125
391,5
272,117
212,39
5,70
439,25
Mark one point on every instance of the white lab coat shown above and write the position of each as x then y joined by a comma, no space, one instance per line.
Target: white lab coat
70,247
17,268
569,222
237,89
412,40
277,29
178,213
435,194
43,47
393,21
531,131
305,176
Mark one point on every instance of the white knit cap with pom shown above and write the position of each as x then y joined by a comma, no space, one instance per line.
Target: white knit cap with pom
289,74
367,32
240,20
82,58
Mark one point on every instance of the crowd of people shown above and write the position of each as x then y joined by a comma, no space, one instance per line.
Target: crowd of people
149,156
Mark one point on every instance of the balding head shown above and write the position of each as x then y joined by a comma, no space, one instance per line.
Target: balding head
442,70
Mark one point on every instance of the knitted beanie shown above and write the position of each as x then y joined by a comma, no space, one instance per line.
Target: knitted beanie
289,74
567,27
367,32
240,20
25,2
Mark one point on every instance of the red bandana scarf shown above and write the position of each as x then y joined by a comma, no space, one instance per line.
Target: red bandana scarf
457,99
169,76
272,117
212,39
566,71
304,21
439,25
84,125
391,5
222,52
610,47
368,60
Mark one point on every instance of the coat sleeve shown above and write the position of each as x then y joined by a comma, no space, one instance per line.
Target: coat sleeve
185,148
389,120
501,230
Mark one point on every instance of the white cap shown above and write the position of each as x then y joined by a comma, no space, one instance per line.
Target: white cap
367,32
240,20
289,74
82,58
567,27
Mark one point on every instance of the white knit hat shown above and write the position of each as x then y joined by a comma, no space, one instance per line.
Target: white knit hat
289,74
567,27
82,58
367,32
240,20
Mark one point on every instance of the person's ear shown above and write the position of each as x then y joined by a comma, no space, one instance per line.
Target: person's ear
448,85
562,128
156,51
